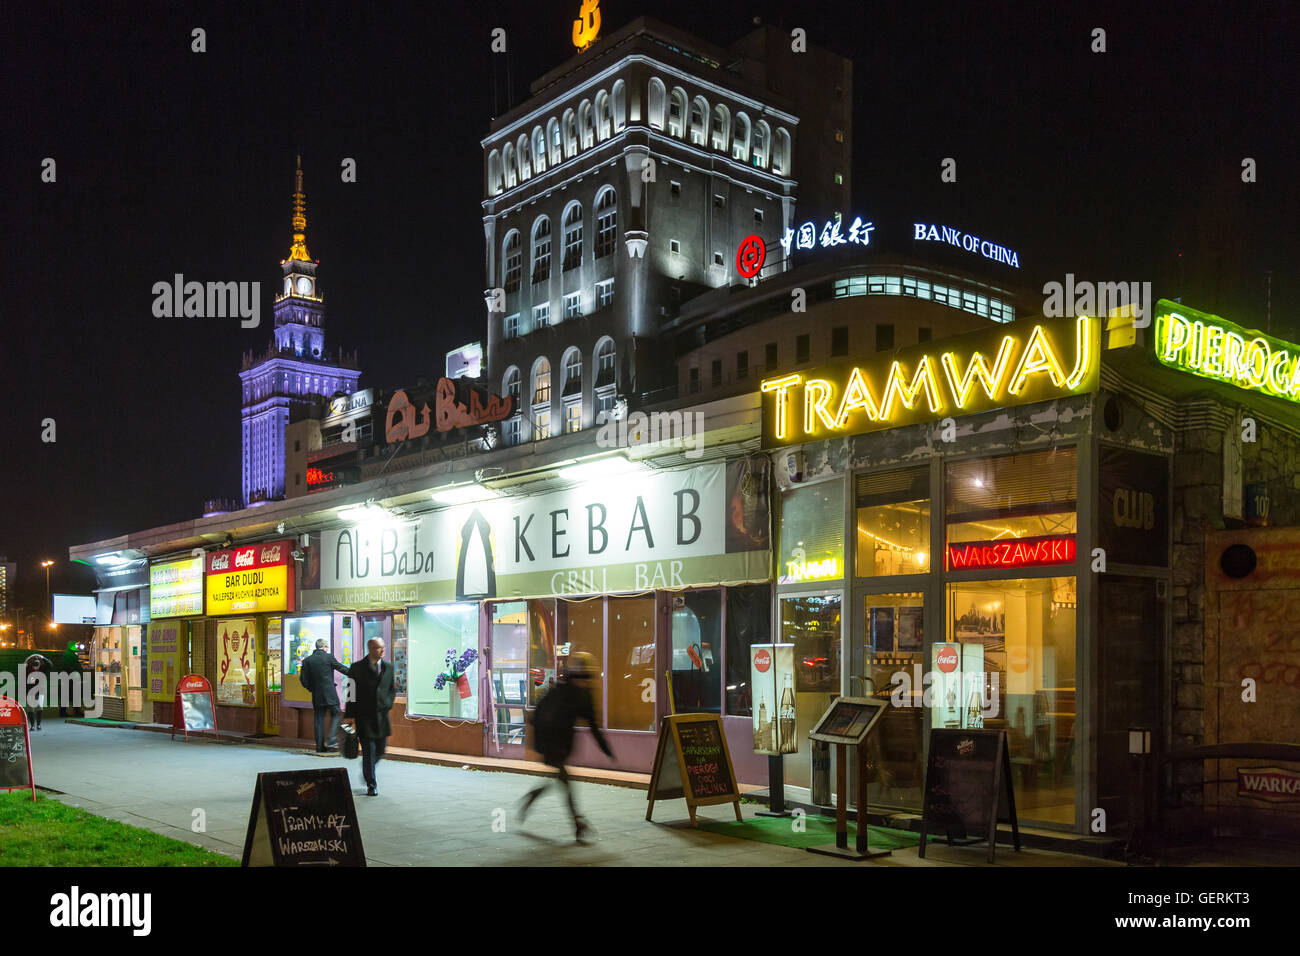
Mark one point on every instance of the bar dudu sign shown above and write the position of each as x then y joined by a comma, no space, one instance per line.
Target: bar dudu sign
1053,358
251,579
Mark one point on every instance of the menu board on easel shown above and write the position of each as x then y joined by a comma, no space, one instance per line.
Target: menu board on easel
968,787
15,748
692,762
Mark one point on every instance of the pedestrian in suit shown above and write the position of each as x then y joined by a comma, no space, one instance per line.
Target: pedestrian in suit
317,675
368,705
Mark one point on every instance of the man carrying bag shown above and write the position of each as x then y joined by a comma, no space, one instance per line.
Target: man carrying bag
368,705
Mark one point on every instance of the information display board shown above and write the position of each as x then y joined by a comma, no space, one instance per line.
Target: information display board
193,708
848,720
15,748
692,762
968,787
303,818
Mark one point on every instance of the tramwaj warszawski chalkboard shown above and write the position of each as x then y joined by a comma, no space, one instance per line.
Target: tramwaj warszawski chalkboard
968,787
692,761
303,818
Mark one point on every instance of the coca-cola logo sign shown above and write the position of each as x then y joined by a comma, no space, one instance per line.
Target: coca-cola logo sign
245,557
762,661
271,554
219,561
946,659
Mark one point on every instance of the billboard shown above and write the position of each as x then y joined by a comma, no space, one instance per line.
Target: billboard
176,588
252,579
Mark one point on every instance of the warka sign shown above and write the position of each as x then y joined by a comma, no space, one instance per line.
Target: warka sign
1011,365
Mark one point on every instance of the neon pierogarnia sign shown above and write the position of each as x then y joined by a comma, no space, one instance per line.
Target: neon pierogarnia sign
1214,348
1013,365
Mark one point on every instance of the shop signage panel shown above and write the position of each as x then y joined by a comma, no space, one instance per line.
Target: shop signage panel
1014,364
1012,552
666,529
164,647
1214,348
1133,507
237,662
303,818
1270,784
176,588
771,682
251,579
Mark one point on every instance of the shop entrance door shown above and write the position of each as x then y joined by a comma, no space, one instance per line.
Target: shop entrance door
812,623
889,640
517,627
1130,642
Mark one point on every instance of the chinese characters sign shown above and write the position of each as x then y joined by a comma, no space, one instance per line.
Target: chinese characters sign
832,233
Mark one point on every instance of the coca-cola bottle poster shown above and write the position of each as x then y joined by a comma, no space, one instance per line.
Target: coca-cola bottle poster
771,671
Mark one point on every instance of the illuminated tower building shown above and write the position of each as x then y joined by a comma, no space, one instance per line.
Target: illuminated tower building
293,372
623,187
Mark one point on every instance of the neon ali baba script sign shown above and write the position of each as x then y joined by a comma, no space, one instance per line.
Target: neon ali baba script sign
404,421
1211,347
963,375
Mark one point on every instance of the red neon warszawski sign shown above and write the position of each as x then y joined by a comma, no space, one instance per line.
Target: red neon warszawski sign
1012,552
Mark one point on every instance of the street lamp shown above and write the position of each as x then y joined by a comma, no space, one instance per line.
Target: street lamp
46,565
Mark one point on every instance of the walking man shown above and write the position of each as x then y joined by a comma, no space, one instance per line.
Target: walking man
317,675
368,705
553,721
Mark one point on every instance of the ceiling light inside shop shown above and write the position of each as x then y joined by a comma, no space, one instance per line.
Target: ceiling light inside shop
369,513
594,470
464,494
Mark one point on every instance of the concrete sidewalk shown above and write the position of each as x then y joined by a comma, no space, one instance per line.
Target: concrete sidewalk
424,815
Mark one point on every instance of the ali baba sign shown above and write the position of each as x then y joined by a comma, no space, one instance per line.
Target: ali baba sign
1010,365
404,421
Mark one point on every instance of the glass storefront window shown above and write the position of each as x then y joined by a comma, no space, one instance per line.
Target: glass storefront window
541,649
1015,647
749,622
697,652
812,533
434,631
301,635
893,641
584,631
398,653
631,671
893,522
812,624
274,654
1031,495
510,668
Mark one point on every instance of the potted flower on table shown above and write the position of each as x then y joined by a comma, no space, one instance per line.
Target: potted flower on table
455,672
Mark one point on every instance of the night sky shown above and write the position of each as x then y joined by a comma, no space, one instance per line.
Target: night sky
1105,165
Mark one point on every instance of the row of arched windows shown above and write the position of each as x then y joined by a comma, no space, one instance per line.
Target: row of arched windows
753,143
512,253
535,405
594,121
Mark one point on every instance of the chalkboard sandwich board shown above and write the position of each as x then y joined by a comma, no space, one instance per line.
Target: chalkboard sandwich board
15,748
692,761
968,787
303,818
193,708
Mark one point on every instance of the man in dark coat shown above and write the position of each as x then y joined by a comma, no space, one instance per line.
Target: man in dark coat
557,713
317,675
368,705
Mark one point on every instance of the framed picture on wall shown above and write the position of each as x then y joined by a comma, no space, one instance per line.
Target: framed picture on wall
909,629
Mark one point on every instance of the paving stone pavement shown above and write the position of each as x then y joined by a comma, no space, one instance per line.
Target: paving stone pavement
424,815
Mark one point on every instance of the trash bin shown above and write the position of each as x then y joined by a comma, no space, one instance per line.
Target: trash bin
821,773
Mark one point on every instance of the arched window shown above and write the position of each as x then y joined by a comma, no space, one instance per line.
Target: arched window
606,222
539,150
553,141
781,152
586,129
525,167
572,372
699,121
508,161
494,173
511,261
720,133
572,237
740,138
762,142
602,116
677,113
570,134
655,103
510,386
541,250
542,382
604,363
618,105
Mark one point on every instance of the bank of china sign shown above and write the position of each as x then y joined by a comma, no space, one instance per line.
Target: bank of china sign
666,529
1011,365
1214,348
